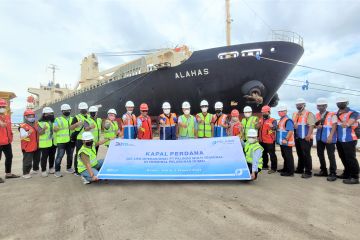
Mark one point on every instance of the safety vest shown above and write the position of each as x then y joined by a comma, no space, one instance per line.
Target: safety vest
187,132
111,132
266,133
145,129
81,129
91,153
6,134
204,129
30,143
323,133
346,134
302,128
64,132
235,128
97,130
219,125
248,123
168,132
281,133
250,148
45,139
129,126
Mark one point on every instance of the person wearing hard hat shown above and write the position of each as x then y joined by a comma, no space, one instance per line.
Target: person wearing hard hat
249,121
62,137
97,122
144,125
253,153
204,121
6,138
347,140
47,144
220,121
304,122
235,124
326,124
186,123
29,135
80,123
267,130
168,121
88,165
285,138
129,130
111,127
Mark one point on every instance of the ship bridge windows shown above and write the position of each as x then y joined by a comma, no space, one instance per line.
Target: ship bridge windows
251,52
227,55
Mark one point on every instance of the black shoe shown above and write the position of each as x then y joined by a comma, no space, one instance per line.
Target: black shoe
281,170
351,181
286,174
299,171
1,180
331,177
306,175
322,173
265,168
342,176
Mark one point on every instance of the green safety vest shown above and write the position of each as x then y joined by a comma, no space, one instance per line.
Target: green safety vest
189,130
97,130
111,132
204,129
64,132
91,153
248,124
250,148
45,140
83,119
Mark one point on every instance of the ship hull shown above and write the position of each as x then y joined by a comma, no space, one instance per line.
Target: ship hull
202,76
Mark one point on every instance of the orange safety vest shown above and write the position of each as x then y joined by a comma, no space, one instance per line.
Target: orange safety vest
6,134
31,142
145,130
323,133
346,134
266,133
302,128
282,133
235,128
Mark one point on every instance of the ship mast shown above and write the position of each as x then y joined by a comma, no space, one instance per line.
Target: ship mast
228,23
53,67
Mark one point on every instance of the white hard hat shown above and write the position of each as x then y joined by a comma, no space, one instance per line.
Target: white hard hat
166,105
113,111
321,101
204,103
83,105
65,107
247,109
219,105
282,108
47,110
129,104
342,99
87,136
93,109
252,133
300,101
185,105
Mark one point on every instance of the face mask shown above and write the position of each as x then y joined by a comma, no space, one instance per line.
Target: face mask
93,114
51,118
247,114
83,111
66,114
2,110
265,116
89,144
167,111
204,109
282,114
29,119
321,108
234,119
130,112
300,107
217,111
252,140
187,112
111,117
341,106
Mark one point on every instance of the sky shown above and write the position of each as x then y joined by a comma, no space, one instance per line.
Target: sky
35,34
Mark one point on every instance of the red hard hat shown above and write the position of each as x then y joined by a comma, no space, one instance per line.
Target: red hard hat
144,107
29,112
265,109
235,113
3,103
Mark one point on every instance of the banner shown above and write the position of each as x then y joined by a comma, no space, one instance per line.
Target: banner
198,159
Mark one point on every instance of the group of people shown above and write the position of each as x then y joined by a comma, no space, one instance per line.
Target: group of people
45,141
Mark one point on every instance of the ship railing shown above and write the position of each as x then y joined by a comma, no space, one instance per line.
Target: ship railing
287,36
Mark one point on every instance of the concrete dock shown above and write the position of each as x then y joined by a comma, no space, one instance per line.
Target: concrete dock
273,207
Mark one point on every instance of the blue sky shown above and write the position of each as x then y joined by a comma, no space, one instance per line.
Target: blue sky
37,33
